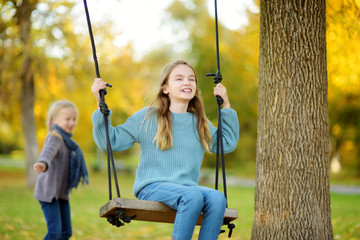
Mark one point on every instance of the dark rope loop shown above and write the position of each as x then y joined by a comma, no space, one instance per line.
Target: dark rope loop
114,221
121,214
219,100
104,108
120,218
230,226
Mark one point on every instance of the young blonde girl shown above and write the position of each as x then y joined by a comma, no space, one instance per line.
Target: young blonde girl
61,167
174,134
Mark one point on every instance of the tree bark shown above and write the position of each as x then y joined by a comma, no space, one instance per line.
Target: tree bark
27,96
292,195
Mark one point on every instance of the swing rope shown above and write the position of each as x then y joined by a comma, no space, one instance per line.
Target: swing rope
104,109
220,145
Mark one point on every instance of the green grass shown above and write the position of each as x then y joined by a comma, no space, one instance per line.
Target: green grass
21,216
345,211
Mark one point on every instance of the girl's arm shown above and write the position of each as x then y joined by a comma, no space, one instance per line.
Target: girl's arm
122,137
48,153
230,123
230,130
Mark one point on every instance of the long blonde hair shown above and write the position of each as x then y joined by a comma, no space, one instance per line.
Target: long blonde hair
161,104
54,110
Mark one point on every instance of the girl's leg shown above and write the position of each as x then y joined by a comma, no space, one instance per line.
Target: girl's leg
53,219
213,213
65,219
187,200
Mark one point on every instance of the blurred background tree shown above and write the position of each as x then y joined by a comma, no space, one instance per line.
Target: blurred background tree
343,38
20,59
62,67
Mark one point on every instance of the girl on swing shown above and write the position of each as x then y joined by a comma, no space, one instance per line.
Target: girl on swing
174,133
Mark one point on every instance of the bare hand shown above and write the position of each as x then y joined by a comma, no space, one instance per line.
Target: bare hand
97,86
220,90
39,167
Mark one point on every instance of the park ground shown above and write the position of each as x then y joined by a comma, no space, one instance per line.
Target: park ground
21,216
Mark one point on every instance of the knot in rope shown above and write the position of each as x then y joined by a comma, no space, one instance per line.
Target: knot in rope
230,226
120,218
219,100
104,108
114,221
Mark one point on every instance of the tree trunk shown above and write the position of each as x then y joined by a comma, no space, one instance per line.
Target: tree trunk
292,195
27,96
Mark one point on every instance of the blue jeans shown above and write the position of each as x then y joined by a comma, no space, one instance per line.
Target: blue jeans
58,219
189,201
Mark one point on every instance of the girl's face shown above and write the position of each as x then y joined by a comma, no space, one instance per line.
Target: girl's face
66,119
181,85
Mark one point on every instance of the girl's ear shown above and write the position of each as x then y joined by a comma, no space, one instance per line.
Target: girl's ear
165,91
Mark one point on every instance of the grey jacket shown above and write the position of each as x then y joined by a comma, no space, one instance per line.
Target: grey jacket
53,183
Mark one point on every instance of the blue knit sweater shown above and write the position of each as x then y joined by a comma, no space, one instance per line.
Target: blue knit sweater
181,163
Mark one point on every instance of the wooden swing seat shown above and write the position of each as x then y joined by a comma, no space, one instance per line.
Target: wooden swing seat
151,211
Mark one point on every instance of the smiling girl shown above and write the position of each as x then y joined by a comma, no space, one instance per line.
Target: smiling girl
61,167
174,133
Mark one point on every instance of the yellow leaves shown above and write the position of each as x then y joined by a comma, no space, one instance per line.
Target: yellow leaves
349,145
357,2
54,84
4,129
9,227
336,130
343,39
37,110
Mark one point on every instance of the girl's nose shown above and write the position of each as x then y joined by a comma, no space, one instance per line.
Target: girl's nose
187,82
